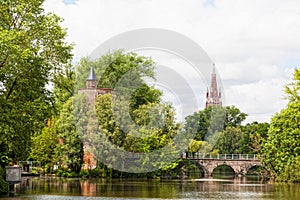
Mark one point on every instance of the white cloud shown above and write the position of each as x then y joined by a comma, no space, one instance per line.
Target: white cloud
257,89
258,98
254,43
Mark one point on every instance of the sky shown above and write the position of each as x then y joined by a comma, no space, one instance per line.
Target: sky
255,44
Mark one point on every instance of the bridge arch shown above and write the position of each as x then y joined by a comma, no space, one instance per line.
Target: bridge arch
223,170
251,167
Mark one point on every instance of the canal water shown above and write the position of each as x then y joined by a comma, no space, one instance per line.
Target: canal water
99,189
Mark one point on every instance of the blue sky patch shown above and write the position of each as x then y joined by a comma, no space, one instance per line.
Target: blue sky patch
69,2
209,3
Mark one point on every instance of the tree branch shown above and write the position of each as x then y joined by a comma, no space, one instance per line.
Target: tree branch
11,89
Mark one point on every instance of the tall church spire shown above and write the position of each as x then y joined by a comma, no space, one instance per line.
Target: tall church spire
213,95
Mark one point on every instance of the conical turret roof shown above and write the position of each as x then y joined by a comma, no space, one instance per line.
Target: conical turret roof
92,76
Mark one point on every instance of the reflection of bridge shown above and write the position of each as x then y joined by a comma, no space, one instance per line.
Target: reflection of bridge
240,163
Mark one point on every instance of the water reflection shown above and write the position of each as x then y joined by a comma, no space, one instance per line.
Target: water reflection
237,188
96,187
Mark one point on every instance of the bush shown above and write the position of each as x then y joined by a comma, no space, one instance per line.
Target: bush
63,172
91,173
3,183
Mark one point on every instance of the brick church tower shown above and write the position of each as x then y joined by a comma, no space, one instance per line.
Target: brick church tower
92,91
213,95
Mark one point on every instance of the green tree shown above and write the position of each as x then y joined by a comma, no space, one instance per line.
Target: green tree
63,88
233,116
281,150
155,128
198,123
69,149
44,143
292,89
206,122
253,136
229,140
43,146
33,49
199,146
111,67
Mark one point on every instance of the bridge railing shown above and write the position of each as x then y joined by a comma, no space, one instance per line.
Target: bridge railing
221,156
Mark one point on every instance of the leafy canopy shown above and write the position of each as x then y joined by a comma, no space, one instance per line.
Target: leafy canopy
33,48
213,119
281,150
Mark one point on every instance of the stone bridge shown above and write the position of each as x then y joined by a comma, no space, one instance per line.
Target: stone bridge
240,163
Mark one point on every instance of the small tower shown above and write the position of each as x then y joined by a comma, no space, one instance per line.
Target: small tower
91,80
92,92
91,89
213,95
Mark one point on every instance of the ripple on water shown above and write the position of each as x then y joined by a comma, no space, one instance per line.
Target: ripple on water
224,195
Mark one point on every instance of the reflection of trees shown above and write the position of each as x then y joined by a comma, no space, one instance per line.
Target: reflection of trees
238,188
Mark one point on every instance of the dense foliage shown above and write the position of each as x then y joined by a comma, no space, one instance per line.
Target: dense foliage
229,140
69,150
43,146
206,122
3,183
220,130
253,136
33,49
281,149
